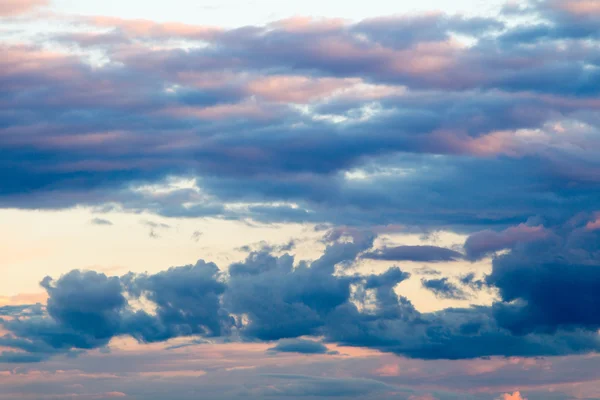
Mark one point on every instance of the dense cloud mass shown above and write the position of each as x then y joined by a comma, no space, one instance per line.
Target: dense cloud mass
546,306
385,120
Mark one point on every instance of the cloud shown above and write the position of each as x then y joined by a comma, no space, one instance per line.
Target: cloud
271,297
196,235
444,289
154,227
101,221
514,396
300,346
387,121
427,271
549,285
483,243
299,385
341,131
414,253
300,299
187,301
15,7
21,310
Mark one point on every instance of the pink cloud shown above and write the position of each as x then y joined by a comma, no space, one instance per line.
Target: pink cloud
594,224
577,7
112,395
82,140
494,143
247,109
301,24
296,89
388,370
484,242
150,29
18,61
16,7
173,374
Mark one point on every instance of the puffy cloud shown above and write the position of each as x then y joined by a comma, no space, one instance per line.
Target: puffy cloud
269,297
283,301
549,285
514,396
187,301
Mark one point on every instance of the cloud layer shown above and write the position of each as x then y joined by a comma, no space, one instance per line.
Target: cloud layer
546,306
387,120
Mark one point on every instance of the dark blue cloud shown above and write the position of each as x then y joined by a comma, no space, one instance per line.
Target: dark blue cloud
444,289
21,310
302,346
187,303
550,285
266,297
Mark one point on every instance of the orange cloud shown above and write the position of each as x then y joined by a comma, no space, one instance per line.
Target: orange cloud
514,396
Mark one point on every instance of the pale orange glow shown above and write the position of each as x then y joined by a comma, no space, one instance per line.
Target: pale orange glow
24,298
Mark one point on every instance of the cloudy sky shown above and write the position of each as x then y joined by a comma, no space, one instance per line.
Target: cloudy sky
299,200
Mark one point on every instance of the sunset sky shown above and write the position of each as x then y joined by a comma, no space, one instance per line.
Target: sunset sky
300,200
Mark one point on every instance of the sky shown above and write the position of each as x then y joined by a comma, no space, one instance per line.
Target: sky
300,200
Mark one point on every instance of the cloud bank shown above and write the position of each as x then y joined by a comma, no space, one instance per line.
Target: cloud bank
546,306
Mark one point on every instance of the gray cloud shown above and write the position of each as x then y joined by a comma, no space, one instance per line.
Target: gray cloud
302,346
414,253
